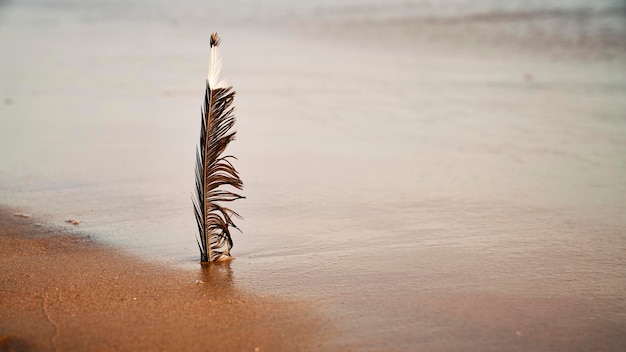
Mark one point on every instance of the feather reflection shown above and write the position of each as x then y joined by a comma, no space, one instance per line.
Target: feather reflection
217,277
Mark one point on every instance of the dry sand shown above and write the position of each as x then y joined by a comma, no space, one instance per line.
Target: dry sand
68,293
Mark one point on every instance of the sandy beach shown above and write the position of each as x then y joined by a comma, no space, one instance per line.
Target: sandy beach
63,292
418,175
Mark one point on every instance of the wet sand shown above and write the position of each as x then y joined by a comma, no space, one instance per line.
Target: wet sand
67,293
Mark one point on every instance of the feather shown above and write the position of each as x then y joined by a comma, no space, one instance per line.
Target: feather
214,171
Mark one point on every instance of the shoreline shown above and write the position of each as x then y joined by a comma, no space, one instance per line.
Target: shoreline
65,292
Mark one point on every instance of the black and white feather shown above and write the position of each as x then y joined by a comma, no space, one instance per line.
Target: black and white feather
216,177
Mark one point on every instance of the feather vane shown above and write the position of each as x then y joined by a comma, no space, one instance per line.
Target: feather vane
214,171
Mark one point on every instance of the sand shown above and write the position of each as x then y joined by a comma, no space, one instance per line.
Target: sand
64,292
67,293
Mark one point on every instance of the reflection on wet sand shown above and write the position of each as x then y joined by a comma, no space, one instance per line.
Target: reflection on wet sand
217,277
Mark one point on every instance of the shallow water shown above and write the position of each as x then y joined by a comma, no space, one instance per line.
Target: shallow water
423,198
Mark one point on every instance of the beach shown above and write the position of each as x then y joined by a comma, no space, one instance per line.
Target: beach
67,293
418,176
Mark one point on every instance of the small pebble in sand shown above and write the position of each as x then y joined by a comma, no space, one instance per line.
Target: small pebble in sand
199,282
21,215
72,221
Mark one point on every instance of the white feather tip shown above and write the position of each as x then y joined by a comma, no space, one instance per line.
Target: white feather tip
215,64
